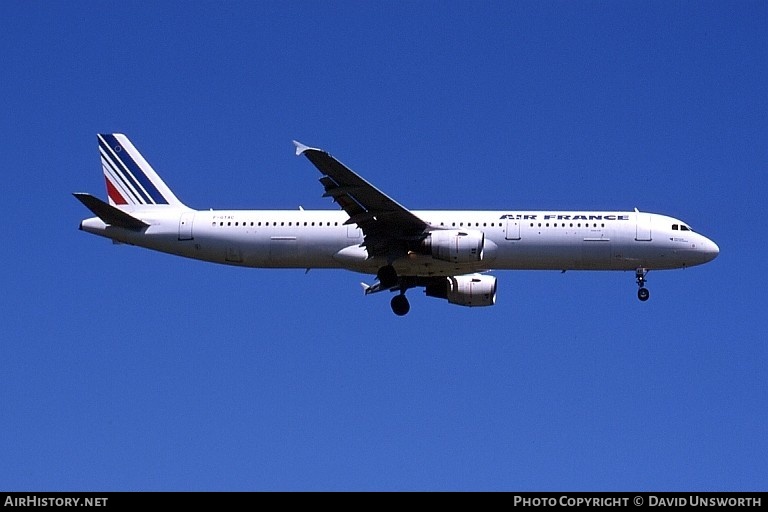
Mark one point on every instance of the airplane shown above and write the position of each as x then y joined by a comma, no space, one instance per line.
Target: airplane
447,253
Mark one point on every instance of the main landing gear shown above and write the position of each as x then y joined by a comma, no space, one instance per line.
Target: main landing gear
387,276
643,294
388,279
400,305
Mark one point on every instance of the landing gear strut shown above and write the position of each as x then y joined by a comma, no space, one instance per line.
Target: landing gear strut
387,276
643,294
400,305
388,279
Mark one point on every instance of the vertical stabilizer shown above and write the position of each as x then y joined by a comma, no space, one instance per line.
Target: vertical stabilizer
129,178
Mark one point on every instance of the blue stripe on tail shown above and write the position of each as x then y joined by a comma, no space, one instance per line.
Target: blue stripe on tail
114,147
127,183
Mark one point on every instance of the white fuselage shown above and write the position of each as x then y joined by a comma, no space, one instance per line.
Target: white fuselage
533,240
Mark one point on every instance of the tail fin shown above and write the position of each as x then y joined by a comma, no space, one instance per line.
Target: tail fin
129,177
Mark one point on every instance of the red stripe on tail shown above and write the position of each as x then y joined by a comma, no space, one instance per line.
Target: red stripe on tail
113,194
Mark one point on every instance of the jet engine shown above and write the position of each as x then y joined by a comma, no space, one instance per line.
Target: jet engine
470,290
455,246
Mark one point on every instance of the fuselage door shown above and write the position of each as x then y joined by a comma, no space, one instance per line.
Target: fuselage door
643,229
513,229
185,225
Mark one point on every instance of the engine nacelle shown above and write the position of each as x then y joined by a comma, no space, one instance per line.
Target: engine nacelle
472,290
455,245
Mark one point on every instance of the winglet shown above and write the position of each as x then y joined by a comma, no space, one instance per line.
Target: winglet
300,148
366,287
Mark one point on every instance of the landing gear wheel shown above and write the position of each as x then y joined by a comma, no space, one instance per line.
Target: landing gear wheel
400,305
642,293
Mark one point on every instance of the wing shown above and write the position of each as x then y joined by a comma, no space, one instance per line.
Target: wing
387,226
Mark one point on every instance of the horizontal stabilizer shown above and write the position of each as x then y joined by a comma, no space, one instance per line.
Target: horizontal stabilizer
109,214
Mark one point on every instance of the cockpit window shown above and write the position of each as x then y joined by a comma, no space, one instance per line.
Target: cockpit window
683,227
674,227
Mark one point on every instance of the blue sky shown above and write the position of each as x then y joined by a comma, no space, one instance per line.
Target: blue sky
125,369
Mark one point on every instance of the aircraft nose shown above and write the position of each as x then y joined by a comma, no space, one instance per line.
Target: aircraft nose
710,249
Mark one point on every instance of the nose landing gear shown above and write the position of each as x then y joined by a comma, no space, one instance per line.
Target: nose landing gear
643,294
